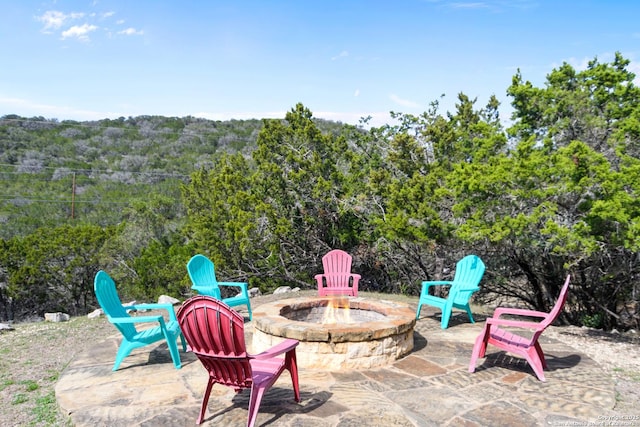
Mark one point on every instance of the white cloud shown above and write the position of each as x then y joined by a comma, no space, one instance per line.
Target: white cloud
79,31
54,19
131,32
357,93
28,108
403,102
469,5
342,54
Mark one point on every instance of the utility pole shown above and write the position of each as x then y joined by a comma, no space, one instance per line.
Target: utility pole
73,195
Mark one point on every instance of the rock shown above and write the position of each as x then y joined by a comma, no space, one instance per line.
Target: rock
166,299
254,292
56,317
128,305
6,327
95,313
285,290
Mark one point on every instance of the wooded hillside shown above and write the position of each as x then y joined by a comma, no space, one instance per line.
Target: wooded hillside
555,193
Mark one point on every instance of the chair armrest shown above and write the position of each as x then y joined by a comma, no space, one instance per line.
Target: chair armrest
168,307
518,312
284,347
513,323
151,306
242,285
428,284
438,282
137,319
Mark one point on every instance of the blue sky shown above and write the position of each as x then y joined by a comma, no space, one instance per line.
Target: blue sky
86,60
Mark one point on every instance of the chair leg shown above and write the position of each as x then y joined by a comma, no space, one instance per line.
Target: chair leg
446,315
469,313
184,343
479,348
418,311
257,391
291,364
249,309
543,361
536,364
123,351
205,401
173,349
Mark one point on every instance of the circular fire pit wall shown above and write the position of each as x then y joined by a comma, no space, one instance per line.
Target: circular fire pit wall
366,333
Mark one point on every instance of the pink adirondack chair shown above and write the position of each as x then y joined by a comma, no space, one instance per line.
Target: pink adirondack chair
215,333
529,348
337,278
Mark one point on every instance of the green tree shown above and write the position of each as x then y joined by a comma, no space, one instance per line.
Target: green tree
53,269
565,198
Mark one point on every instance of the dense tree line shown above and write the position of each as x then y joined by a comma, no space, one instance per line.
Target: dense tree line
552,194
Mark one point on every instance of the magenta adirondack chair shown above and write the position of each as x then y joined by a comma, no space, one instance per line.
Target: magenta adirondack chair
215,333
527,347
337,278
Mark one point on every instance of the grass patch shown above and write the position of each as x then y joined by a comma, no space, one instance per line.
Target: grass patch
46,409
30,385
631,375
6,383
53,376
19,398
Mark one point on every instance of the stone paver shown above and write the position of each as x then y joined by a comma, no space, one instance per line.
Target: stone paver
430,386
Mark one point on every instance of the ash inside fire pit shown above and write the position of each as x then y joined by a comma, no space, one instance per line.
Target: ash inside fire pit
337,333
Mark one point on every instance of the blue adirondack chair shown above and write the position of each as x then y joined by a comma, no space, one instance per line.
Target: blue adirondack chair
469,272
203,277
105,289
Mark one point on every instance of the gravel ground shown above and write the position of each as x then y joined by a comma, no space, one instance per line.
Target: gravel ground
33,355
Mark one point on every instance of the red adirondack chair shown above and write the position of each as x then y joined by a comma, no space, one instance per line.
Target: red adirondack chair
215,333
529,348
337,278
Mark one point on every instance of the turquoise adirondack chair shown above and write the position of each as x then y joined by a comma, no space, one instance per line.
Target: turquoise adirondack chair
203,278
469,272
132,338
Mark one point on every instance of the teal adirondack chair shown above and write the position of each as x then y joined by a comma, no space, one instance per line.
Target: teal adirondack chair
469,272
203,277
105,289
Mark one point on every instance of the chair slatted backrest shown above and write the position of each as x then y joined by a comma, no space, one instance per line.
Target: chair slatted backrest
215,333
469,272
107,296
557,308
337,261
203,274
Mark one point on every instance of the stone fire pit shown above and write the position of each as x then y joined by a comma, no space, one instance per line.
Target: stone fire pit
380,332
